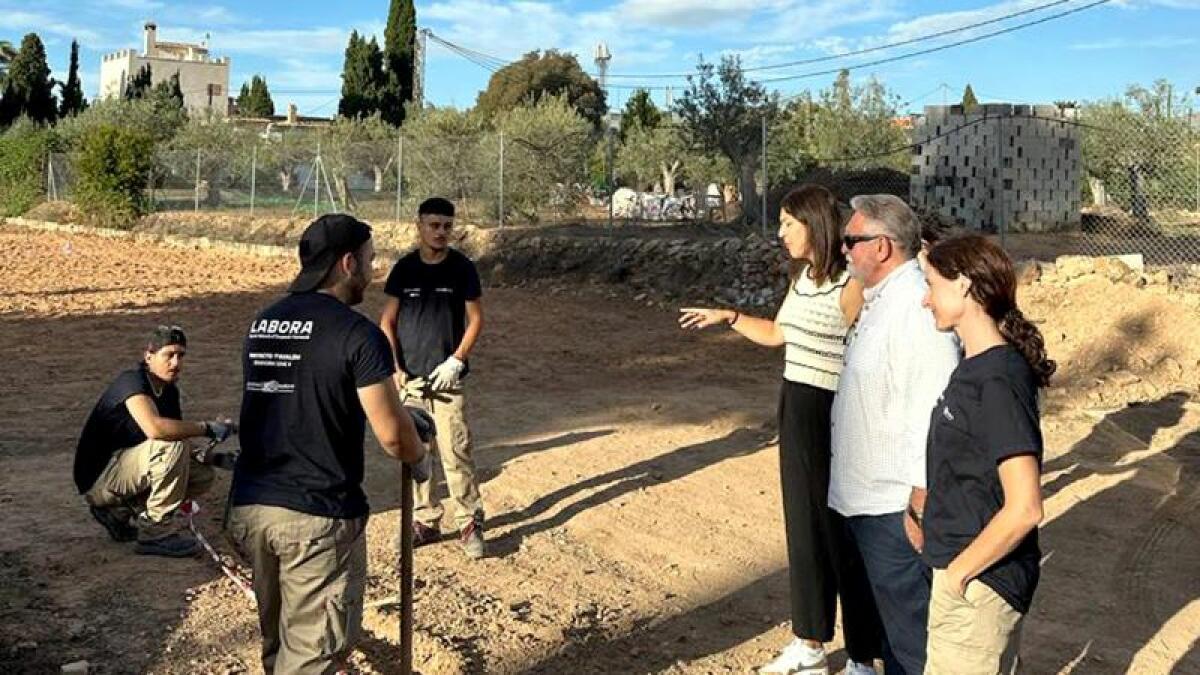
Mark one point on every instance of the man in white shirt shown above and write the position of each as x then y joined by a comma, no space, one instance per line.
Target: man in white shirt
897,364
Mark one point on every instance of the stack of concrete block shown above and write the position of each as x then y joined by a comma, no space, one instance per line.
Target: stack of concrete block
1000,167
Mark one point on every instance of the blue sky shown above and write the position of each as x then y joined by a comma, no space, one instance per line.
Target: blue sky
298,45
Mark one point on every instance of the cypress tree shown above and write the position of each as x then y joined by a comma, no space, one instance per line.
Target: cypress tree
969,102
73,102
399,58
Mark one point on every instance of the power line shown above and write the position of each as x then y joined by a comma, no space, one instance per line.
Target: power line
939,48
867,50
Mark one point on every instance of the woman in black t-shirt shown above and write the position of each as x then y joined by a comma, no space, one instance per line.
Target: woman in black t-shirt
983,461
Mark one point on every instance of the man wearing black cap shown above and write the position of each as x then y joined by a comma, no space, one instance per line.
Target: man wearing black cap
132,464
433,317
315,372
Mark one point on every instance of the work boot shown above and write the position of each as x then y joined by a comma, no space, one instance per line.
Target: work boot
471,537
176,545
115,520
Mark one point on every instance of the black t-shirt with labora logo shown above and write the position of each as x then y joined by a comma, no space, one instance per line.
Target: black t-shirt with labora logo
988,413
110,427
433,303
302,425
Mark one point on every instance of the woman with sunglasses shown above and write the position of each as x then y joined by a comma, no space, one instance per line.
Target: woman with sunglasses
983,461
822,302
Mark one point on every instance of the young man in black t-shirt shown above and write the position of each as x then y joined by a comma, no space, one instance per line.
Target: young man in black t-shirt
315,372
433,317
132,456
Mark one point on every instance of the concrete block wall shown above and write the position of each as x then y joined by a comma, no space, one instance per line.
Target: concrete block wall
1016,168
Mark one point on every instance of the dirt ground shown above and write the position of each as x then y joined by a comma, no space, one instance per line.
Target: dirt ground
629,472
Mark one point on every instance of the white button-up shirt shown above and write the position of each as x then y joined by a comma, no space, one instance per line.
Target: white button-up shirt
897,365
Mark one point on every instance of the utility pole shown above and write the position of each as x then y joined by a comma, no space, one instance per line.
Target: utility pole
419,68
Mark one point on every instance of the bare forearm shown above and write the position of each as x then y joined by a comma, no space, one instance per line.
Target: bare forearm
1001,535
167,429
758,330
470,337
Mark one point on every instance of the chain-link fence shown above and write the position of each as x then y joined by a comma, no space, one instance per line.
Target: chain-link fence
1101,179
1047,181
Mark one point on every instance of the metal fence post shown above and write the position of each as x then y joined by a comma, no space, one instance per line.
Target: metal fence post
196,188
765,182
399,173
611,181
501,218
253,175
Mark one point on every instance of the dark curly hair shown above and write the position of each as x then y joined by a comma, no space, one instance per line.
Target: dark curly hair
994,287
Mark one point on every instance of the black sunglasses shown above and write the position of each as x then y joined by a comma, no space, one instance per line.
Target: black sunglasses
852,240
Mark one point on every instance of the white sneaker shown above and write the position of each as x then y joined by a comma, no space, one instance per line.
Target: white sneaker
856,668
798,659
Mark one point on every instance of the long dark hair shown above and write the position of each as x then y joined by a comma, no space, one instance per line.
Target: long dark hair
817,209
994,287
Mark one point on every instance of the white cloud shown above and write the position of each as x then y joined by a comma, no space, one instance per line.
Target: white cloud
16,20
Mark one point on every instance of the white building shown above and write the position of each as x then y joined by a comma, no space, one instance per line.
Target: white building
204,80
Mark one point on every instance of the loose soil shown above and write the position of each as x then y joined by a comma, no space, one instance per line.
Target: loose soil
629,472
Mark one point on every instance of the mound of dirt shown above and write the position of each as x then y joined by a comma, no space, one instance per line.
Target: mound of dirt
1116,342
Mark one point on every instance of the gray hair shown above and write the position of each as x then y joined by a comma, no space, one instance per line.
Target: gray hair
894,216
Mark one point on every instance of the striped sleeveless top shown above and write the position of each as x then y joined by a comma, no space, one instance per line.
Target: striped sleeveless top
814,331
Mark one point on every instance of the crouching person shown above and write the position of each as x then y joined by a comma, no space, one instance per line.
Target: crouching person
316,372
133,464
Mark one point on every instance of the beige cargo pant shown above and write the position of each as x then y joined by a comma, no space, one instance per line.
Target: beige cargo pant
150,479
979,634
309,578
453,447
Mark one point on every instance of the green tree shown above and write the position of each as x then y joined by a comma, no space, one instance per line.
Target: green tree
969,102
112,169
24,147
363,80
28,88
158,118
443,156
140,84
546,146
538,75
73,102
219,148
254,100
640,111
7,54
1138,155
722,112
359,146
850,127
285,152
399,57
652,155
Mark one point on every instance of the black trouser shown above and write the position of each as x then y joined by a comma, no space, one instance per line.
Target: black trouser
822,562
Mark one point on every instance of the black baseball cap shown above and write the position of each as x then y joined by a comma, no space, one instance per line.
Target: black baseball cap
326,240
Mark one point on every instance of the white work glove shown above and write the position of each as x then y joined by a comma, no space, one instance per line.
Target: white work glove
445,377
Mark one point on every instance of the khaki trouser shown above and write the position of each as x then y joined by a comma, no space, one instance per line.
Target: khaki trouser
153,477
310,573
453,447
976,634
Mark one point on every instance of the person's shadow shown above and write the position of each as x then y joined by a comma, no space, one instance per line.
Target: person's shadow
1121,562
619,482
1114,436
